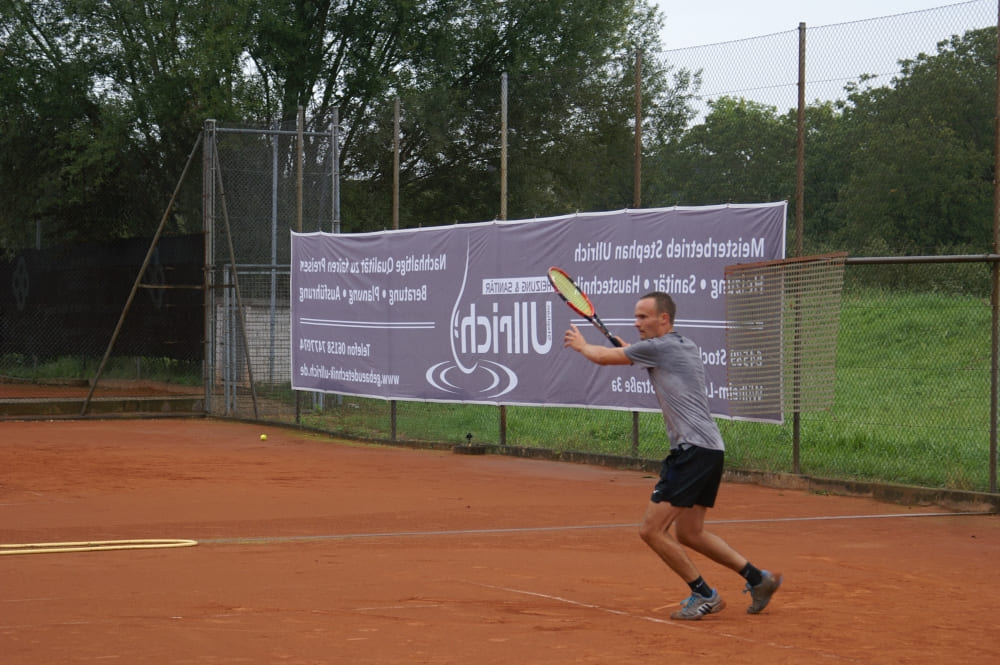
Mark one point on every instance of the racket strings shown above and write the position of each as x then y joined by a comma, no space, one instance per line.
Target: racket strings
568,290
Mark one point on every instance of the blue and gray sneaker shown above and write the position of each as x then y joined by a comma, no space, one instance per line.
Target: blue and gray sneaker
761,593
695,607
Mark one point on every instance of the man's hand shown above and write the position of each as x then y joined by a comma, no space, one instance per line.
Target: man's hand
602,355
573,338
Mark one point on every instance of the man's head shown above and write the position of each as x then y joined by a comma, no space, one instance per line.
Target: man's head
654,314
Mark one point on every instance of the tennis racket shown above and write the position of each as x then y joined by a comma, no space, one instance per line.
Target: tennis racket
578,300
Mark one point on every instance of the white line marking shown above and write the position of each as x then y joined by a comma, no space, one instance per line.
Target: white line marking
258,540
382,608
688,625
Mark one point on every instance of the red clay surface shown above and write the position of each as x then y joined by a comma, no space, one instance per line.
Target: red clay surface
317,551
105,388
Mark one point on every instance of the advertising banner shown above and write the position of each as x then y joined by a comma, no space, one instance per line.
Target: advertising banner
465,313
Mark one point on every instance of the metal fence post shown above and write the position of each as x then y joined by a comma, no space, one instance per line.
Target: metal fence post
800,157
995,274
208,227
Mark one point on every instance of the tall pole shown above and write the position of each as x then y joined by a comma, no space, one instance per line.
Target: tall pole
395,225
503,207
335,140
637,194
273,318
637,156
995,293
299,160
395,164
800,156
208,226
503,146
800,146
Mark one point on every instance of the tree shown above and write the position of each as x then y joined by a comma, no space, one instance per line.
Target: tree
569,68
45,81
743,152
102,101
921,152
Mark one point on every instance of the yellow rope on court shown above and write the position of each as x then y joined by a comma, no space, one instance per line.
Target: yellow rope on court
94,546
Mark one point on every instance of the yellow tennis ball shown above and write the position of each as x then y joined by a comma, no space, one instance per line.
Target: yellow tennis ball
263,437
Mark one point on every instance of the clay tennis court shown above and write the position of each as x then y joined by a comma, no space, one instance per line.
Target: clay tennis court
311,550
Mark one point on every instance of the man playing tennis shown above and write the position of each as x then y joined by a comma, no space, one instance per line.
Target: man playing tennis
692,471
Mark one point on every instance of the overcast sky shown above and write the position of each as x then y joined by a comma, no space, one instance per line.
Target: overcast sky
701,22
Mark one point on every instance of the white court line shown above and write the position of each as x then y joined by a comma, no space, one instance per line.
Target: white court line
257,540
821,518
709,626
383,608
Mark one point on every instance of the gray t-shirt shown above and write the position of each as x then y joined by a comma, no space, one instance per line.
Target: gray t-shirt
678,377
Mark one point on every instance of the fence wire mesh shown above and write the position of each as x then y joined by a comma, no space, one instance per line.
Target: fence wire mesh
781,336
255,196
911,403
913,368
765,69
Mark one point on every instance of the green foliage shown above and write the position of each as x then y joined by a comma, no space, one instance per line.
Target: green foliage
946,278
83,368
912,401
743,152
915,365
905,168
101,102
918,173
912,405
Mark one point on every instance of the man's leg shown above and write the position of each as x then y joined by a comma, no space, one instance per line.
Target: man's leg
655,531
691,532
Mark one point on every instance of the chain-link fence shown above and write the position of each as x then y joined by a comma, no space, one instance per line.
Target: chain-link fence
913,376
766,69
913,362
259,186
912,401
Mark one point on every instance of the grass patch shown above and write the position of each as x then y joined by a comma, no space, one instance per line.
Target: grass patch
912,403
131,368
911,407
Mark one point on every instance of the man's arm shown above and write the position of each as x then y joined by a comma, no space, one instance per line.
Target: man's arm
602,355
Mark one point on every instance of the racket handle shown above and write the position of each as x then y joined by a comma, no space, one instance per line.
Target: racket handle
604,329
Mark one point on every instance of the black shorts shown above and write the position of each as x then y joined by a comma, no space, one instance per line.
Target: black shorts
689,476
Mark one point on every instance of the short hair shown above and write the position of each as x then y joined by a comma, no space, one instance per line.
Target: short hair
664,303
